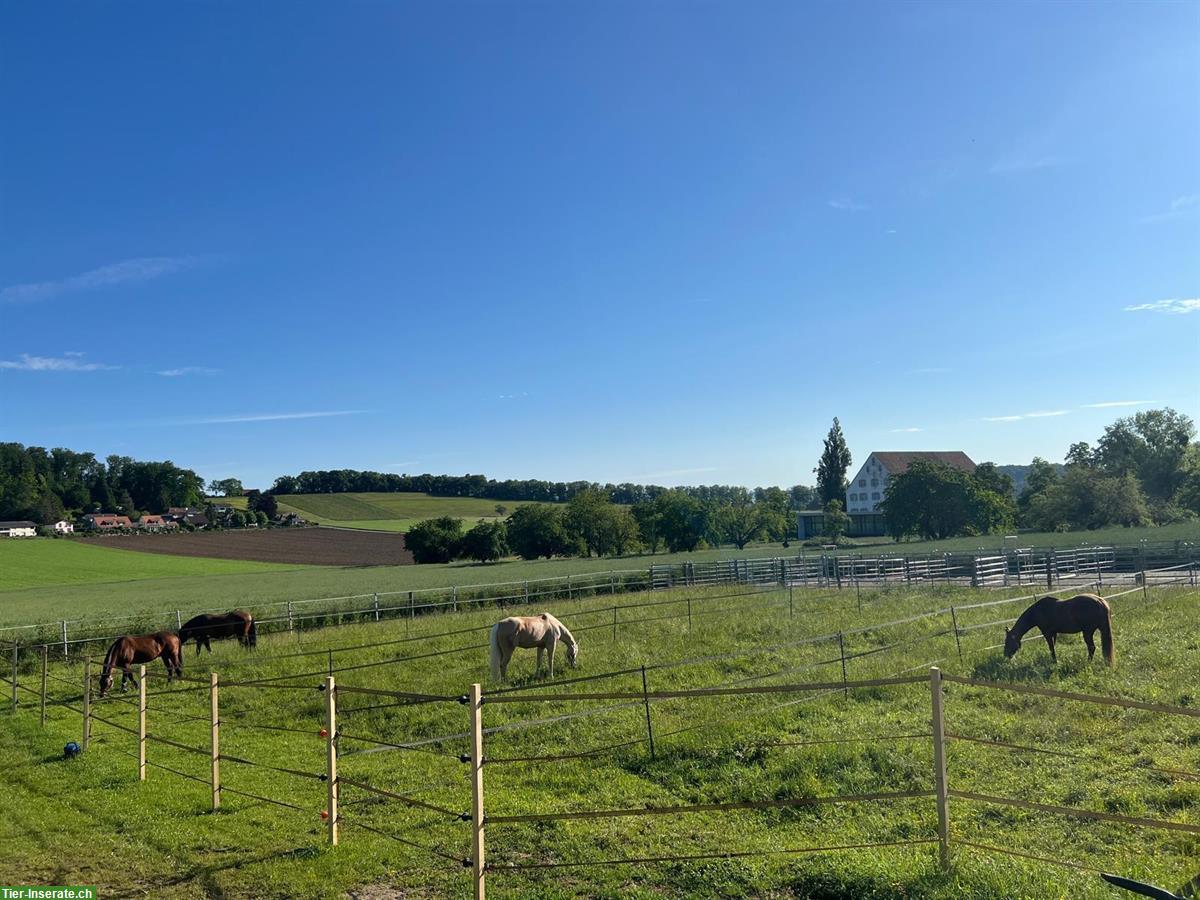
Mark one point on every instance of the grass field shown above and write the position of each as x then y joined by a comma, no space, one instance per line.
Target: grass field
89,821
382,511
45,561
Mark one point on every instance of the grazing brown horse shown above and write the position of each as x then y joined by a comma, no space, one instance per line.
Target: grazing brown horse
231,624
1084,612
141,648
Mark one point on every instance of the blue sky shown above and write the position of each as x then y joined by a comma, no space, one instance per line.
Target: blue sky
657,242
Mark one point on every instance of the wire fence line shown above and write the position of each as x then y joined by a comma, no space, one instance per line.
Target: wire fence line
1048,567
629,699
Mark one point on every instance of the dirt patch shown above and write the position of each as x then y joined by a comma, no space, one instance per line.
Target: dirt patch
308,546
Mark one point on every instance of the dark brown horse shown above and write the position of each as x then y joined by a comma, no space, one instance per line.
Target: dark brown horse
1085,613
203,628
141,648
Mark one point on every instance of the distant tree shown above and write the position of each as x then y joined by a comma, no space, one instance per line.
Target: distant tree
1151,445
501,509
803,497
226,487
989,478
739,523
587,520
435,540
1187,495
1080,454
50,509
683,520
486,542
238,518
837,521
261,518
831,470
264,503
649,523
937,501
622,533
536,530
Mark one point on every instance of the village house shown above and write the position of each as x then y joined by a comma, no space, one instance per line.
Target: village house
867,488
18,529
106,522
150,522
62,526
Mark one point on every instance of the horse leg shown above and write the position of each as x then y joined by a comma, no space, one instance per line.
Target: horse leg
537,670
1090,639
127,673
550,653
168,665
1050,637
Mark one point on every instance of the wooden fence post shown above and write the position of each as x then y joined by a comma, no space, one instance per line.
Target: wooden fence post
842,653
526,591
612,584
939,767
141,723
478,858
215,721
87,702
957,640
646,702
45,675
331,782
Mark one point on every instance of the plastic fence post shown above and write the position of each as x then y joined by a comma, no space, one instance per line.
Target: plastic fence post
569,597
842,654
791,610
141,723
331,781
526,591
646,702
178,620
15,661
689,607
215,722
454,598
87,702
478,858
291,625
614,623
45,672
957,640
939,766
376,604
64,639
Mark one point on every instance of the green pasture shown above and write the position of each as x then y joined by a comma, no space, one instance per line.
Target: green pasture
56,562
362,510
90,821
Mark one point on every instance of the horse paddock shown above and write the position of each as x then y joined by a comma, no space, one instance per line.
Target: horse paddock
713,742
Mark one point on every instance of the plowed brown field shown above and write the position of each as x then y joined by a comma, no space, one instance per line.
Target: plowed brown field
307,546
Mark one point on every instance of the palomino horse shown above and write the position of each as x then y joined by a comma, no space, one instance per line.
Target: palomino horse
141,648
1084,612
543,632
231,624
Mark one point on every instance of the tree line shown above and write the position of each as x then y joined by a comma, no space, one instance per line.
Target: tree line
591,524
47,485
339,481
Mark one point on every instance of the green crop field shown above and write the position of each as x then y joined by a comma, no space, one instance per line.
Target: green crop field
42,562
387,511
89,821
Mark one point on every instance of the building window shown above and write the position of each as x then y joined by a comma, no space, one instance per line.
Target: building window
874,482
875,495
862,482
853,497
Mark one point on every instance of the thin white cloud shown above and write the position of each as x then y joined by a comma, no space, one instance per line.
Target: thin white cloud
1170,307
1014,165
890,231
1036,414
673,473
1110,403
71,362
847,205
1179,206
515,396
906,430
270,417
187,370
127,271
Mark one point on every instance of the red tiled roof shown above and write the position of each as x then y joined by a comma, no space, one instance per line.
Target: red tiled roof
897,461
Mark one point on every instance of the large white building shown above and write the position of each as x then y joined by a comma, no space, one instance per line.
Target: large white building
867,488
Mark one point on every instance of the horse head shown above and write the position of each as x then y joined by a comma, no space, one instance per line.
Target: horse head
1012,643
573,654
106,681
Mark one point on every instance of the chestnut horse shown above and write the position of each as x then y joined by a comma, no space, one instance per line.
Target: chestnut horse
142,648
1084,612
231,624
543,632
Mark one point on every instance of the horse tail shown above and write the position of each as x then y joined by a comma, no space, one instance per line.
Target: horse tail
494,642
1106,637
252,633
